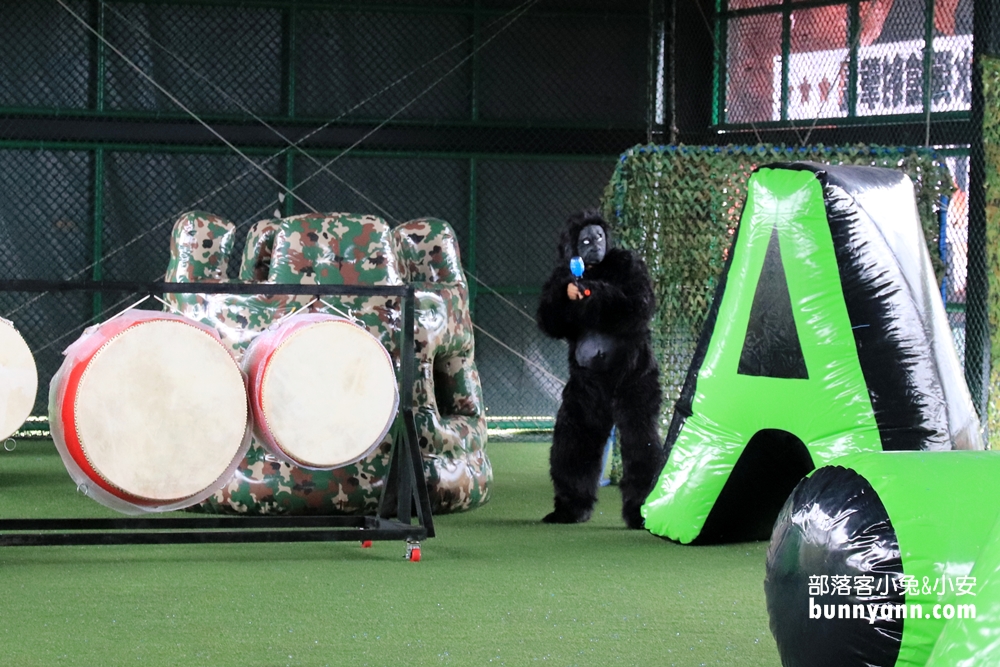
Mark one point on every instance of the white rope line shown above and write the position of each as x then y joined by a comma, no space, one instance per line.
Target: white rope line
526,6
90,321
248,111
541,369
239,177
293,310
500,296
170,306
349,314
323,168
173,98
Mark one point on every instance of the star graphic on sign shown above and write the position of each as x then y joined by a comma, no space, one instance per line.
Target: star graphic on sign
804,89
824,89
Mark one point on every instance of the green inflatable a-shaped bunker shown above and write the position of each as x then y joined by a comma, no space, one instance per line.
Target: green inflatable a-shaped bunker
827,337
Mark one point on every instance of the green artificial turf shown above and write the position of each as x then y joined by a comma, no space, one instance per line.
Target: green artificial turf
496,587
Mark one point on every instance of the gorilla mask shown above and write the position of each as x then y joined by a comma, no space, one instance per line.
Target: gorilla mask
591,244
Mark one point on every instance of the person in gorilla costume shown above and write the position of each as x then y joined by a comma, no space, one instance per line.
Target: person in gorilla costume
613,379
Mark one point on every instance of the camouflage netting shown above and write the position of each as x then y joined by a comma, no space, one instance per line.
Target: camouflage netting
679,205
991,143
342,248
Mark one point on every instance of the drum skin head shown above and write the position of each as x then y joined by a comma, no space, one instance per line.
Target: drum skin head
18,380
161,411
329,394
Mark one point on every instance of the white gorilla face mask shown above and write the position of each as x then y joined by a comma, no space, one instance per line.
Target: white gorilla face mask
591,245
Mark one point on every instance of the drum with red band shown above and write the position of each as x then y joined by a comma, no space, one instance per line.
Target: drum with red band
149,412
323,390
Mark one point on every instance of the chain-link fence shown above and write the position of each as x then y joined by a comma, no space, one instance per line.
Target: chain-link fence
680,207
861,73
500,116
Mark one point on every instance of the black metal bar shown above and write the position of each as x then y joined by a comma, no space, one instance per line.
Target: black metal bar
188,523
476,137
197,288
419,492
399,532
404,494
405,470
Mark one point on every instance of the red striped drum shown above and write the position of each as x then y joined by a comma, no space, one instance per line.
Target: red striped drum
18,379
149,412
322,389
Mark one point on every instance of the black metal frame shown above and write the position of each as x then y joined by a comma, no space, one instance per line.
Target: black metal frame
402,479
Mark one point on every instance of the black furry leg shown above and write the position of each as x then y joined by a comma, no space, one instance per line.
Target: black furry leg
636,413
582,428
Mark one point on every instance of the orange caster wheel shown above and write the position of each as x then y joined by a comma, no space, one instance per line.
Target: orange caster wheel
366,544
412,552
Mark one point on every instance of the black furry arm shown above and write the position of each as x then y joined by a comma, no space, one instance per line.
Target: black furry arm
621,300
557,315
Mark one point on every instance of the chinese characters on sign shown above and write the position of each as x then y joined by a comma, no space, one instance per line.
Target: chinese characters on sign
890,79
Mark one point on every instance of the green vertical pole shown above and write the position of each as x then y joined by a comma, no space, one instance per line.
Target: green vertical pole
476,37
470,259
978,362
854,34
289,209
718,80
786,51
99,55
288,56
97,226
928,64
97,242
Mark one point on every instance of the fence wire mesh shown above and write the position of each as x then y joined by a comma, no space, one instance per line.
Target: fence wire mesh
679,207
500,116
844,73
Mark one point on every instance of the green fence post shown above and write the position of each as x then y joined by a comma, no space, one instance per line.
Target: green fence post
97,242
986,41
288,59
289,209
470,260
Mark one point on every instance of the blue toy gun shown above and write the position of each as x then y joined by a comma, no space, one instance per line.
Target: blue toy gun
576,268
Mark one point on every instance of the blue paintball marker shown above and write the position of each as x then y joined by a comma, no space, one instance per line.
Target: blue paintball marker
576,268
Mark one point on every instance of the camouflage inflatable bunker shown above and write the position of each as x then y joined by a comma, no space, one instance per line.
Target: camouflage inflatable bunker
827,336
889,559
341,248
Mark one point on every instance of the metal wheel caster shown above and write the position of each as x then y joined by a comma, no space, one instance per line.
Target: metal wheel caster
366,544
412,551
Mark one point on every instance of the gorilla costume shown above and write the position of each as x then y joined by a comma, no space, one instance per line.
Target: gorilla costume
613,378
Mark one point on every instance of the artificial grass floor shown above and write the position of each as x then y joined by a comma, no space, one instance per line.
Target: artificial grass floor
496,587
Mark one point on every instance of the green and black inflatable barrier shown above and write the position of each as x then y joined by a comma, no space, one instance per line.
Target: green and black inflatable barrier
889,559
975,642
827,336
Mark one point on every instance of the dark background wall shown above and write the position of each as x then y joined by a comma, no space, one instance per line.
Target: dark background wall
501,117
